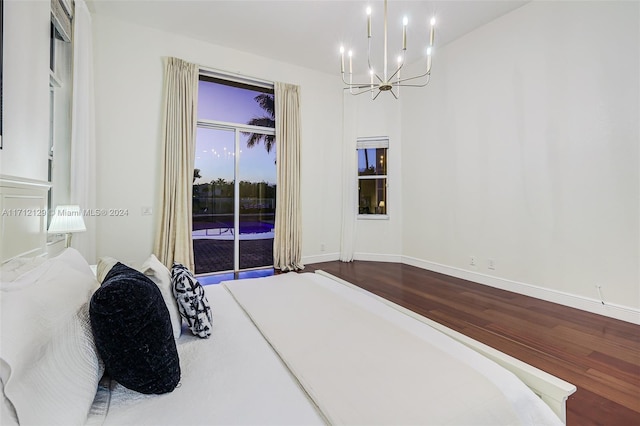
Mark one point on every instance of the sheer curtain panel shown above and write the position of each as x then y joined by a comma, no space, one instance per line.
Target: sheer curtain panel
349,181
287,242
173,240
83,133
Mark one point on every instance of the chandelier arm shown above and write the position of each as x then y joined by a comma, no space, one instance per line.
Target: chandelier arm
368,90
394,95
415,85
355,85
377,94
428,73
360,86
343,80
397,71
369,60
369,53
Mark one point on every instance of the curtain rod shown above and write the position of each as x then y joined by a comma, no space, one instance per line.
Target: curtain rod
240,78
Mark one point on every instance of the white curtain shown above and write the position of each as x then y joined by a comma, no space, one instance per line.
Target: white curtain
287,242
173,240
349,181
83,134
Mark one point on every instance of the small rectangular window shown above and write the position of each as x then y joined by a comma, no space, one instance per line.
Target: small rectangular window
372,175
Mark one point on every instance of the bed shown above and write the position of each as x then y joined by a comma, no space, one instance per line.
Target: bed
298,349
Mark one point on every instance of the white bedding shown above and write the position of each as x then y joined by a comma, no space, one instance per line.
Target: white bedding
363,362
355,361
231,378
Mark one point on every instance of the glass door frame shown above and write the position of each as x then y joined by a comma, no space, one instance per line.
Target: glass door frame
237,128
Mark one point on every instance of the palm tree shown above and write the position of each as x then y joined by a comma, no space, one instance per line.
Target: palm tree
196,174
267,102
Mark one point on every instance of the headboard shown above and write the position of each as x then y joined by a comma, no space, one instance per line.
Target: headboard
23,217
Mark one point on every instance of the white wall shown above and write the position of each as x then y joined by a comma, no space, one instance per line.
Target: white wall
129,80
25,132
379,239
524,150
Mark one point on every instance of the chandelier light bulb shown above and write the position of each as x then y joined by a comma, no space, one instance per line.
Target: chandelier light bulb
405,21
341,49
369,11
432,33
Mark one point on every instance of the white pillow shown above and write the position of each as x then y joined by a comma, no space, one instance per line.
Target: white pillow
160,275
19,266
47,342
30,271
104,266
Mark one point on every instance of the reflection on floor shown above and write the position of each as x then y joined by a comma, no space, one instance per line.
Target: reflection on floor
218,278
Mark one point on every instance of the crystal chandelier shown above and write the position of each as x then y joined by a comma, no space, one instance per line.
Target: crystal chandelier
383,82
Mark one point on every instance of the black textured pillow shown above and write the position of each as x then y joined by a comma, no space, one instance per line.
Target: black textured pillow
133,334
192,302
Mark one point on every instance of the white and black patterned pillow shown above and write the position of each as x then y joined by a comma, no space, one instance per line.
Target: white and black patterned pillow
192,302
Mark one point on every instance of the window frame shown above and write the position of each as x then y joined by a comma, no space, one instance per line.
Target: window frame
60,86
375,142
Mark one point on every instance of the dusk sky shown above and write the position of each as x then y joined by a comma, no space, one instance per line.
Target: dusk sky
215,148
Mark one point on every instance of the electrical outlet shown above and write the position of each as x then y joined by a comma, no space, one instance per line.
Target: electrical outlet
472,261
491,264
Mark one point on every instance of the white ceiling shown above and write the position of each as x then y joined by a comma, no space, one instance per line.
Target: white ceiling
309,33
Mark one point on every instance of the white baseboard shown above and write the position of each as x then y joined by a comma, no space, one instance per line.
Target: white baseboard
376,257
319,258
370,257
620,312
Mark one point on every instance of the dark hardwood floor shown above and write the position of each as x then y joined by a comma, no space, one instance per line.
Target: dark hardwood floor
600,355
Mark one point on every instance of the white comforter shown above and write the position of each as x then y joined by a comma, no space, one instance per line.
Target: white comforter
232,378
364,362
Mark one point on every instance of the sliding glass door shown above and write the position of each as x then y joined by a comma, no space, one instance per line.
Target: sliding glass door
257,205
214,200
234,178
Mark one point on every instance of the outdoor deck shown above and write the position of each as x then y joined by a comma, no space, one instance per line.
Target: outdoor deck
215,255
